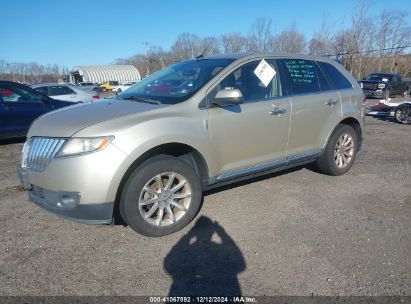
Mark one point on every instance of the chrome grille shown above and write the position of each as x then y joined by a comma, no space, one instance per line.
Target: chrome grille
39,152
369,86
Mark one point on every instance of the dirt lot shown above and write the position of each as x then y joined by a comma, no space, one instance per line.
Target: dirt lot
293,233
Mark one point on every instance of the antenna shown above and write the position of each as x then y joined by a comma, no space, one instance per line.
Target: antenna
202,54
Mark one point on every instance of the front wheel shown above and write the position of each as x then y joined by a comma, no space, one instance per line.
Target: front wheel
161,196
403,114
339,154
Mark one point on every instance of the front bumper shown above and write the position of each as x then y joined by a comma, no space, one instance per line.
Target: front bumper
85,214
79,188
56,203
374,93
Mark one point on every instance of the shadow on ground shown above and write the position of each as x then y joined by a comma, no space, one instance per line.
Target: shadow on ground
205,262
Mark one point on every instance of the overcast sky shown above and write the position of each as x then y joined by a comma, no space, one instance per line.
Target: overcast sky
75,32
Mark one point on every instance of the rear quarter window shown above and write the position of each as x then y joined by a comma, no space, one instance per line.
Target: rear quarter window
334,76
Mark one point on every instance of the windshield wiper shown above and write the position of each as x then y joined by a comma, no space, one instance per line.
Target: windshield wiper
141,99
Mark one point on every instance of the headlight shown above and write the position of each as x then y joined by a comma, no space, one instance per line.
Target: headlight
76,146
381,86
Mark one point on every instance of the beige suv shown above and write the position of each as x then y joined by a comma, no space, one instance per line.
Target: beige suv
147,155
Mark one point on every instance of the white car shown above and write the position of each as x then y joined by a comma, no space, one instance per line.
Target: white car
122,87
67,92
401,111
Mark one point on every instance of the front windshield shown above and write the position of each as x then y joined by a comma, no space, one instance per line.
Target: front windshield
177,82
379,77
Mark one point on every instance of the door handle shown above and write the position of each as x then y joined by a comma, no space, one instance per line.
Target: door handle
278,111
9,108
331,102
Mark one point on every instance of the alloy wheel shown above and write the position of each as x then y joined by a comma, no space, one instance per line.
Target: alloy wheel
344,150
165,199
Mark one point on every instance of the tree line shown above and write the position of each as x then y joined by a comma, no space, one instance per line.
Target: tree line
371,43
29,72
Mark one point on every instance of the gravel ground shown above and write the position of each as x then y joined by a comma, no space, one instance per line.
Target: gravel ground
293,233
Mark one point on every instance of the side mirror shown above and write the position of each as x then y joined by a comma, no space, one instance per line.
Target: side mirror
228,96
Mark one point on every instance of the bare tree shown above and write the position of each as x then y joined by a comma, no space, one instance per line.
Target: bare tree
392,35
260,35
289,41
322,41
186,46
233,43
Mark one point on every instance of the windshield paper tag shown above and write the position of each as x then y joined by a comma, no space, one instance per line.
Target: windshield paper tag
264,72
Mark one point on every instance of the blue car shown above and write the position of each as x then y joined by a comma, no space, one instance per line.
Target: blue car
20,105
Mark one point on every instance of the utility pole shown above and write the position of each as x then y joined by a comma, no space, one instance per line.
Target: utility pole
146,48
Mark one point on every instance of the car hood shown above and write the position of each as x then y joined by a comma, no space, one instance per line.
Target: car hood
65,122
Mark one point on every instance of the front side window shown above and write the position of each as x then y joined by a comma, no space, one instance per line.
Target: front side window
177,82
250,85
17,94
60,90
302,76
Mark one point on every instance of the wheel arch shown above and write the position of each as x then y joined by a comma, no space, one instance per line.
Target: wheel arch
184,152
352,122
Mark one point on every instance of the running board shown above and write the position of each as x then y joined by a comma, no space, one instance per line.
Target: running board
260,170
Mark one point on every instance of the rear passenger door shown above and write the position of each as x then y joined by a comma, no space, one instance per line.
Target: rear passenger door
351,99
315,107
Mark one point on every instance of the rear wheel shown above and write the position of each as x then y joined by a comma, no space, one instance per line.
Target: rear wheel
161,196
403,114
339,155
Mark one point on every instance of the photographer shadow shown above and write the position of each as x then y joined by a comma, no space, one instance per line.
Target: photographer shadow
200,266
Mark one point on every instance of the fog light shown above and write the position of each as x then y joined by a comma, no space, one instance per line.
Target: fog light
68,200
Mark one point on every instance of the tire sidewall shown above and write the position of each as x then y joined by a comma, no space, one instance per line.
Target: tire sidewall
329,151
129,208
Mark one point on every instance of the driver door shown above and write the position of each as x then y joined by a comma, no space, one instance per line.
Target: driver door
254,134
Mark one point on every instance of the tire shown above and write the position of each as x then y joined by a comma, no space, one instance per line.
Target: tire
145,205
403,114
331,161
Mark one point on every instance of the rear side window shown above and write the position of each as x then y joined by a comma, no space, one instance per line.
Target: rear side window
335,76
60,90
303,76
43,90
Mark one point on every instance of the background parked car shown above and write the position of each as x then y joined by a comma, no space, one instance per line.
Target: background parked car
89,86
20,105
122,87
67,92
109,85
384,85
401,111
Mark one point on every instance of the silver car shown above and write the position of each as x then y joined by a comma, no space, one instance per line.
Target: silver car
67,92
147,155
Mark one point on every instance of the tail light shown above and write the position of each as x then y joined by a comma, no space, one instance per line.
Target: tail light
96,97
